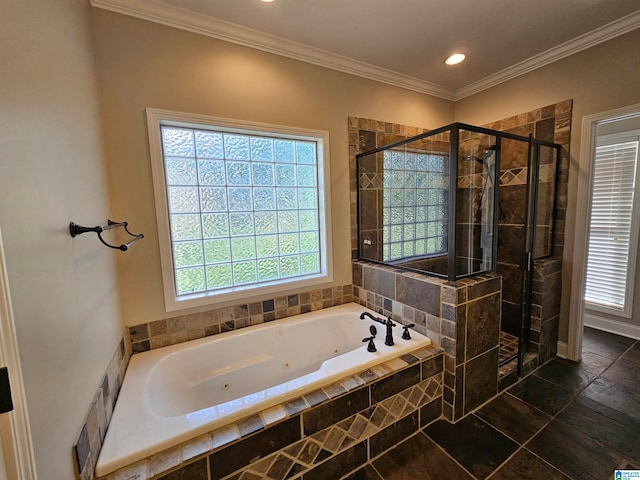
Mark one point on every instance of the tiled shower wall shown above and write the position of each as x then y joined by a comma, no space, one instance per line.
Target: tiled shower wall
464,317
553,124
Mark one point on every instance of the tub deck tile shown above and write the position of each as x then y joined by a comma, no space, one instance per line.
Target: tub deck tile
397,363
316,397
352,382
296,405
334,390
273,415
250,425
164,461
197,446
225,435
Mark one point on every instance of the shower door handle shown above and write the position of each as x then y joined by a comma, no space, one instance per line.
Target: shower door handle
527,265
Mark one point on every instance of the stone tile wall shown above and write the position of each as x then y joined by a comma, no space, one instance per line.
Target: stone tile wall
551,123
198,325
324,434
545,308
94,427
440,310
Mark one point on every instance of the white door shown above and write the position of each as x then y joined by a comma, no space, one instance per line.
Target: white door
16,451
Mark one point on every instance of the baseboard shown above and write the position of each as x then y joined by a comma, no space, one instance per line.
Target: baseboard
612,326
562,349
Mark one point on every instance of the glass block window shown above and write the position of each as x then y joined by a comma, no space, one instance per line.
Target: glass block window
415,205
245,208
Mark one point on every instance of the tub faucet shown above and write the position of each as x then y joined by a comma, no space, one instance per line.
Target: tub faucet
367,314
388,340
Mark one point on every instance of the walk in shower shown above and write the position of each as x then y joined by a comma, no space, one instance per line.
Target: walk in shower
498,219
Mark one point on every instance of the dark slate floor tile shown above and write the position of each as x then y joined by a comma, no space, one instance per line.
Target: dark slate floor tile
475,444
602,428
542,394
611,413
593,362
419,458
513,417
604,343
614,395
625,373
574,452
633,355
524,465
572,376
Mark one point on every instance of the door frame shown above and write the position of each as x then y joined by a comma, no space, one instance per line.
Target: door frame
16,439
583,207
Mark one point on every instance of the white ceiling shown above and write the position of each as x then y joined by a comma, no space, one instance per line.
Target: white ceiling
405,42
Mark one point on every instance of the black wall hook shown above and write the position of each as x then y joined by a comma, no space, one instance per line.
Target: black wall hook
75,230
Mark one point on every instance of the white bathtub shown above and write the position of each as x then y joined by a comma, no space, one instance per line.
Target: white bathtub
173,394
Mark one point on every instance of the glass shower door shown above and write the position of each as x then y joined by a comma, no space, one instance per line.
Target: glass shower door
541,194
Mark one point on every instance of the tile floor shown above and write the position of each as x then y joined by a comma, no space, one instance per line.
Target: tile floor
567,420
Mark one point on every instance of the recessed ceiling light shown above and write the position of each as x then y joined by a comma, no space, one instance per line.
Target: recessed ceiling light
267,1
455,59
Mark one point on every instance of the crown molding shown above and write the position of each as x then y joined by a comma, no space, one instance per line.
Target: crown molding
183,19
230,32
578,44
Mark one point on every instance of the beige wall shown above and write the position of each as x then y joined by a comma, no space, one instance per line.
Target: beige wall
64,291
599,79
142,64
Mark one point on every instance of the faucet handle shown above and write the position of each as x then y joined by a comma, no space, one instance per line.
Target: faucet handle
372,346
390,322
405,334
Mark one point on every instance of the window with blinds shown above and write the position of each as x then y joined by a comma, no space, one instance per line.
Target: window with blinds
613,231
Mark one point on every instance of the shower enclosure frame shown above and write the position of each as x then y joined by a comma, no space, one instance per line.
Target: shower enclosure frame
531,209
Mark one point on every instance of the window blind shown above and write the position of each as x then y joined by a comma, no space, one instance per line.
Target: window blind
613,228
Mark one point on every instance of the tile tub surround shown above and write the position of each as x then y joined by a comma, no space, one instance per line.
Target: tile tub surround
324,434
462,317
183,328
94,427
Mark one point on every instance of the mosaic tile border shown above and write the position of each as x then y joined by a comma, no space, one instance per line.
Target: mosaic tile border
508,177
427,359
161,333
94,427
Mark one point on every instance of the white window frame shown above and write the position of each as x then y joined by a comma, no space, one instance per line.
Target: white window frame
626,311
157,118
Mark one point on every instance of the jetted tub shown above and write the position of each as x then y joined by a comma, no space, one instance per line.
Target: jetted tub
173,394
